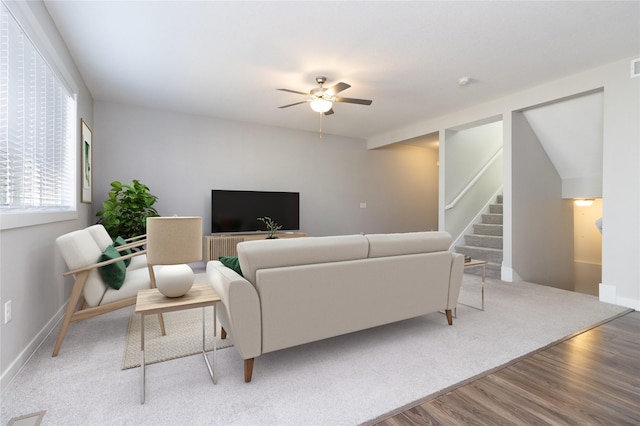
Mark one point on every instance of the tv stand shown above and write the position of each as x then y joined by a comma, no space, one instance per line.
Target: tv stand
225,245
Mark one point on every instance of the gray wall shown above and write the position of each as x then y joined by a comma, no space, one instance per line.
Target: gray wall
182,157
542,220
31,269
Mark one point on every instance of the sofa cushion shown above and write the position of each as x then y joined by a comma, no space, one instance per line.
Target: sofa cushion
231,262
114,273
382,245
264,254
119,241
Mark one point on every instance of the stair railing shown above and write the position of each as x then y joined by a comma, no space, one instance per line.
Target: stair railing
473,181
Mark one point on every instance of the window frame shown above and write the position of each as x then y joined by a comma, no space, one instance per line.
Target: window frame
37,35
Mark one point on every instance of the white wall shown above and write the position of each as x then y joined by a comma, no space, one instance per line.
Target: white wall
542,222
31,268
182,157
621,187
587,248
621,165
467,152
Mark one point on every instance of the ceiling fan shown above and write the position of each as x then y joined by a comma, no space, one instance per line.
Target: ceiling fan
321,99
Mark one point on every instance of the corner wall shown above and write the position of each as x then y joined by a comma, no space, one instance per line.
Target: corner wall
542,222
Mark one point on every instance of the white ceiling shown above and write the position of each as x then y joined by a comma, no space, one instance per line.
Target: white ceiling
225,59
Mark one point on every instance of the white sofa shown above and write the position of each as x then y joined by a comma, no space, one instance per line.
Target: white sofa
295,291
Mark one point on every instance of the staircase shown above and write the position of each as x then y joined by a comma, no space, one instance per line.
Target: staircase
486,241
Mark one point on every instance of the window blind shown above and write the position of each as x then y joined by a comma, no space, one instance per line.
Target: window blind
37,115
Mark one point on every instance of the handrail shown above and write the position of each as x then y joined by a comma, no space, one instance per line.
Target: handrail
473,181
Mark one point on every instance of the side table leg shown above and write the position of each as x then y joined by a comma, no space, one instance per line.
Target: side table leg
483,275
204,349
142,360
215,344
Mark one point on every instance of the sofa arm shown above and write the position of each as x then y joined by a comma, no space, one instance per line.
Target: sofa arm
240,314
455,279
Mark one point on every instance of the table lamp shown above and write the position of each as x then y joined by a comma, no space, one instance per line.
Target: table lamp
172,242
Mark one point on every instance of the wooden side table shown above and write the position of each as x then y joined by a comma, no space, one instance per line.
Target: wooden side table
151,301
483,264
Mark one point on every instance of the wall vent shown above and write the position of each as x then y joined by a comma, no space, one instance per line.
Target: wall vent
635,68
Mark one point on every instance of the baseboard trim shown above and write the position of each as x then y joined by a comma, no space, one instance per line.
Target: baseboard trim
509,275
18,364
609,294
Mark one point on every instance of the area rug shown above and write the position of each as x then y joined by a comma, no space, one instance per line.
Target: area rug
347,380
183,337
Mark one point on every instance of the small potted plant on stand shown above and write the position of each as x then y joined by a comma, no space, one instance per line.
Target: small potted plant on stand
272,227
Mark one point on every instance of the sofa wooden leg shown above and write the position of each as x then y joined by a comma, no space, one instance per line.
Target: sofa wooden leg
248,369
223,333
449,316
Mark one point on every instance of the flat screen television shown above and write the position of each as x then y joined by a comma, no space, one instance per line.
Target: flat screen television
238,211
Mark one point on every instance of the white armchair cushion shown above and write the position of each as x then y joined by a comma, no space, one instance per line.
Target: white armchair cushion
101,236
79,249
137,279
138,262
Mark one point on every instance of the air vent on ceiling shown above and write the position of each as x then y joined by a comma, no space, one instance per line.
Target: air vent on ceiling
635,68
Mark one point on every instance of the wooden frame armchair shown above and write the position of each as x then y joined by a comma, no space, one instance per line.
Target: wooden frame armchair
81,252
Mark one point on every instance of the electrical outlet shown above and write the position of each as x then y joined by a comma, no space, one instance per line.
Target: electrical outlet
7,312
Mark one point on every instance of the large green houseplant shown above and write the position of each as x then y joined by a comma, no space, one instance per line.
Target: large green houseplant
125,213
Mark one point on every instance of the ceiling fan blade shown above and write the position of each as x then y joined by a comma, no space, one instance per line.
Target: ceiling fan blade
329,112
354,101
293,91
297,103
331,91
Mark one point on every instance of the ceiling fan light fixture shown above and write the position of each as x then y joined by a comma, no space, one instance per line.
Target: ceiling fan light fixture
321,105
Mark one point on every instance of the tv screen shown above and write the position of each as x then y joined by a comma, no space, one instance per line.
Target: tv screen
238,211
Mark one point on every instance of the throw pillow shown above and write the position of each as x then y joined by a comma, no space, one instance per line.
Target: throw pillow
113,274
231,262
119,241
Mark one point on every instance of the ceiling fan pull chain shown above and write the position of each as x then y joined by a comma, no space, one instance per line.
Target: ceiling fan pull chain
321,114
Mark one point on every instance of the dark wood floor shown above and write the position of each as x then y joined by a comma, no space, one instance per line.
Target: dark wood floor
590,379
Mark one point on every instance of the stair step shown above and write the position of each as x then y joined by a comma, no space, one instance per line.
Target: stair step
499,199
490,241
481,253
487,229
493,218
495,208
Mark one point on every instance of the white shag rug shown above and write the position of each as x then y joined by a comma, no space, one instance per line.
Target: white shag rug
345,380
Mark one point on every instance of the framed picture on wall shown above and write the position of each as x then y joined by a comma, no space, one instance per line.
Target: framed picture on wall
87,162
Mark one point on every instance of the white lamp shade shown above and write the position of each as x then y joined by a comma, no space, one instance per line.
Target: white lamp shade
321,105
174,240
